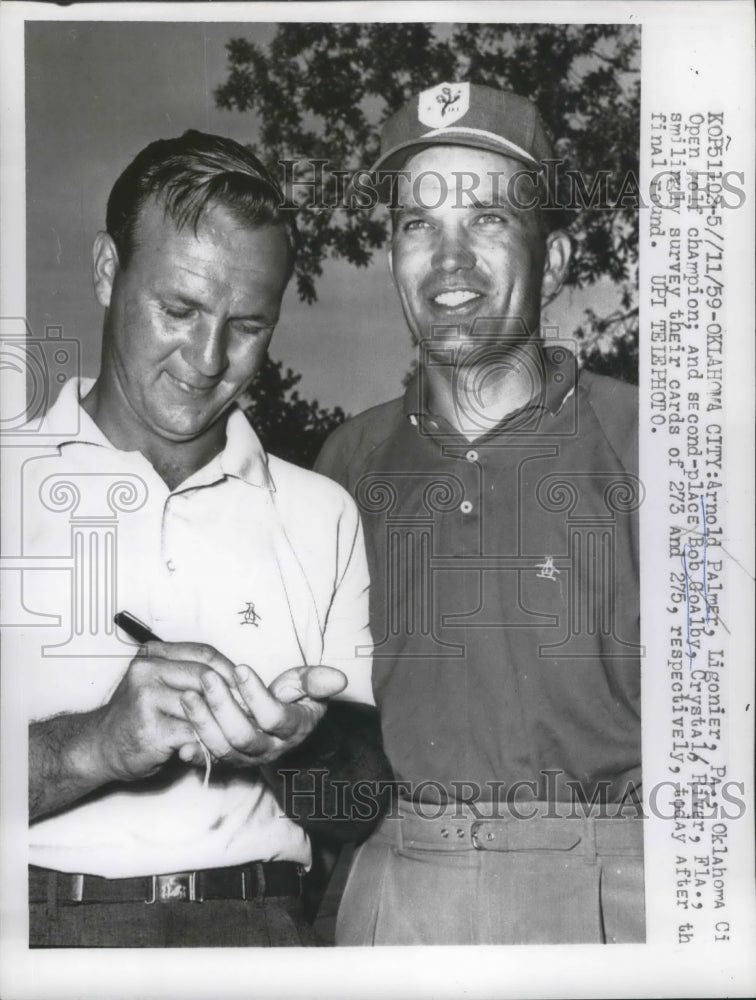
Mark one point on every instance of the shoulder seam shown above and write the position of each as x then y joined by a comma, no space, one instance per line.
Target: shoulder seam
619,443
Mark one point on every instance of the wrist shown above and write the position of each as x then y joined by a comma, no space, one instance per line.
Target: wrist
88,750
64,762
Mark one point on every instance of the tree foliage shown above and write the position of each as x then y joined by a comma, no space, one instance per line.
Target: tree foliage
287,425
321,91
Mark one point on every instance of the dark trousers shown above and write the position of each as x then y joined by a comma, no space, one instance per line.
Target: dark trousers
101,920
215,924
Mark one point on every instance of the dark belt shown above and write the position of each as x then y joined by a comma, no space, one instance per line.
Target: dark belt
246,882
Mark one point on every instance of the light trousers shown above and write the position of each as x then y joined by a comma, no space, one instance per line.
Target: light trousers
454,879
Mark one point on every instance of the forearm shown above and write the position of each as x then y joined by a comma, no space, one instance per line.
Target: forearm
63,762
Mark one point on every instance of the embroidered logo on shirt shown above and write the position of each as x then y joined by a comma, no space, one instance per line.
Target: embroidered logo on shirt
548,570
249,615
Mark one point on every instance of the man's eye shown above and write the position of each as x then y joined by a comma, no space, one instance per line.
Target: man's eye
178,312
411,224
490,219
251,330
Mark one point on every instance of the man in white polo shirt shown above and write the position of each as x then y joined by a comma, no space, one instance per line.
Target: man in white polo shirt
145,793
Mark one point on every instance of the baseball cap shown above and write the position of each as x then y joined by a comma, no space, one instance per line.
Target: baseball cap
465,114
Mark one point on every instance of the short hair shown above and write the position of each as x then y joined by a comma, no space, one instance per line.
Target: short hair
187,175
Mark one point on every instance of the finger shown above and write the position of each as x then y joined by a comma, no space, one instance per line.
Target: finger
167,701
193,652
157,672
234,720
204,727
191,753
184,742
220,724
288,686
268,712
197,754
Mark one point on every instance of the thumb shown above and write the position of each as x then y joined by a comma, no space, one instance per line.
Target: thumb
314,682
323,682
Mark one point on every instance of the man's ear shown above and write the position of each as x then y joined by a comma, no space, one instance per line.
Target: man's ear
558,253
104,267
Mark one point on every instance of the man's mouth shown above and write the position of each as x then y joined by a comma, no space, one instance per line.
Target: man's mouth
191,389
455,299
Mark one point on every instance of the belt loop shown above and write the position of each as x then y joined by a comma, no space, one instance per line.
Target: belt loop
52,894
77,888
153,891
199,887
73,891
260,876
589,839
399,823
249,878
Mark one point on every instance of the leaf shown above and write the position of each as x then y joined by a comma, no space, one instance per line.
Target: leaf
320,91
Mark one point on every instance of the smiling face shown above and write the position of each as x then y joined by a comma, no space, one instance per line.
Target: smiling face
187,325
458,257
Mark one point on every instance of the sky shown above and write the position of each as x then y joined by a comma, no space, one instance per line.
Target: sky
97,93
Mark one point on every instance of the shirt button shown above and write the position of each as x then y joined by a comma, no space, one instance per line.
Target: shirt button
170,566
472,455
465,506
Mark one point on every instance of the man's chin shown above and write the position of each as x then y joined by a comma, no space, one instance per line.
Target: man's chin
465,351
185,427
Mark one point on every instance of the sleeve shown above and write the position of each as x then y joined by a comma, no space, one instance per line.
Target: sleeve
333,460
336,783
347,642
615,404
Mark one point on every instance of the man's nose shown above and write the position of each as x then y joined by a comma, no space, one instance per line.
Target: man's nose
206,349
453,251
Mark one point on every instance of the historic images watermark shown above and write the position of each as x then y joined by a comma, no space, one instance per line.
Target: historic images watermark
317,184
90,504
553,796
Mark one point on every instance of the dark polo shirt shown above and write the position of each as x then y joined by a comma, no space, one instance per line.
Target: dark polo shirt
504,588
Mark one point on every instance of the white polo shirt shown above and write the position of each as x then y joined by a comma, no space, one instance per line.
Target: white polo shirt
261,559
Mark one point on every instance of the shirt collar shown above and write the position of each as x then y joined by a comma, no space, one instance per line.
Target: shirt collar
243,457
557,370
68,421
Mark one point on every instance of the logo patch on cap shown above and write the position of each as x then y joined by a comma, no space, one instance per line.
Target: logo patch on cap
443,105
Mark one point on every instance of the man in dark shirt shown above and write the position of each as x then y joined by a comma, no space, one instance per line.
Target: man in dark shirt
499,499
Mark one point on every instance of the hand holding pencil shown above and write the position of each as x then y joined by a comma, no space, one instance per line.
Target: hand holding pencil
228,710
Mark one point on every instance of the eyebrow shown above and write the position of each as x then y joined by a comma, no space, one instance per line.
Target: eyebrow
492,203
187,300
181,299
474,202
408,208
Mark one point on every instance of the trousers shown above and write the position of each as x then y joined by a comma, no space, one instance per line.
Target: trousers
216,924
456,879
223,909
